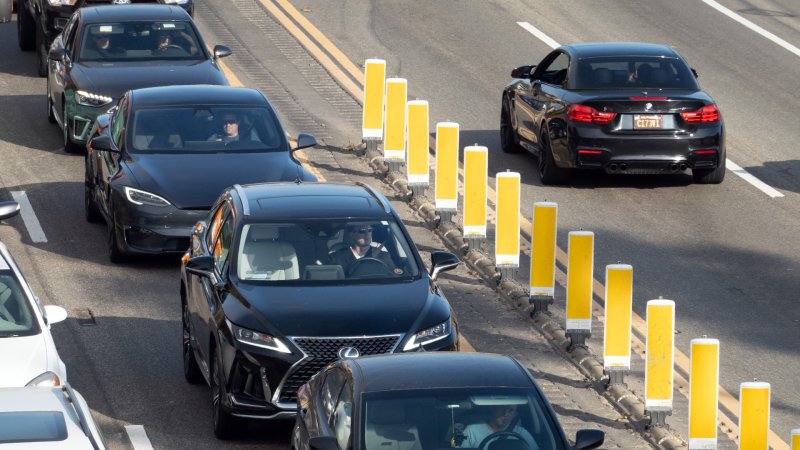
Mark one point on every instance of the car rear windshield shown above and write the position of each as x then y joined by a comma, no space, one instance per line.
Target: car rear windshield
209,129
325,252
32,426
16,314
137,41
635,72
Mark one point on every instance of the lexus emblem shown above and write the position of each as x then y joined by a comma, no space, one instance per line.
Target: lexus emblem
648,106
348,353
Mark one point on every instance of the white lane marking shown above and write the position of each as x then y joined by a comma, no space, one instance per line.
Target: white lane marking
747,176
138,437
753,26
735,168
29,217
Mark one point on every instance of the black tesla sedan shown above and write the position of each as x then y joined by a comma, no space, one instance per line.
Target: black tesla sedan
105,51
158,160
284,278
618,107
429,401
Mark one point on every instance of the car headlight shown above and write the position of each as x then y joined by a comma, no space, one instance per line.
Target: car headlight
45,380
140,197
258,339
430,335
61,2
88,99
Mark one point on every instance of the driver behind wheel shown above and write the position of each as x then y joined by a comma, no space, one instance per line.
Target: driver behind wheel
503,424
358,237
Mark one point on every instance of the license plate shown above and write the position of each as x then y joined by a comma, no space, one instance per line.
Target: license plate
646,121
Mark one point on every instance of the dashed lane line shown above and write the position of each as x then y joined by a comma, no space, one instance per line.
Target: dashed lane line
138,437
29,217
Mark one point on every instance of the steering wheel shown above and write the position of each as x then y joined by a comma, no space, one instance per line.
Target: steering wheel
176,46
501,435
370,265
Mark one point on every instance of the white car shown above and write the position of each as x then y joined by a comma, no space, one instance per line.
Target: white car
29,356
47,418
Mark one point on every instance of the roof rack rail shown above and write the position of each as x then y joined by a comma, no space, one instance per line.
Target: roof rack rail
243,198
378,196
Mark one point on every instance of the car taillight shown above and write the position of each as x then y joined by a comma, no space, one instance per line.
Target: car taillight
705,152
587,114
584,151
706,114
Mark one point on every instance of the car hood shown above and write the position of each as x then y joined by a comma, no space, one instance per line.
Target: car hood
345,310
195,180
114,78
29,356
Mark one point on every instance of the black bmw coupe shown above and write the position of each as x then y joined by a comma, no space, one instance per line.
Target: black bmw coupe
617,107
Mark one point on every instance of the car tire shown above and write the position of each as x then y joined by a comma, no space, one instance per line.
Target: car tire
69,146
509,142
90,210
115,255
226,426
710,176
41,52
549,173
26,33
191,371
50,116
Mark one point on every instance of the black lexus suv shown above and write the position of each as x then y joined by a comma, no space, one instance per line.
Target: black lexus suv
284,278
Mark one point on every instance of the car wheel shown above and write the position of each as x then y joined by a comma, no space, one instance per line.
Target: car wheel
69,146
26,34
710,176
115,255
226,426
191,371
549,173
509,142
91,212
41,52
50,116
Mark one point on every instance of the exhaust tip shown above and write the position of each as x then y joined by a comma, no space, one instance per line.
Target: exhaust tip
623,167
673,167
683,167
612,167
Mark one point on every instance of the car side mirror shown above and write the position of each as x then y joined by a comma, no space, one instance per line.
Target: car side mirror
57,54
522,71
694,72
221,51
102,143
54,314
587,439
202,265
323,443
305,140
103,120
442,262
8,210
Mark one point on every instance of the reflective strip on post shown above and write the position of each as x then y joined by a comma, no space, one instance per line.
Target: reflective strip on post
446,182
506,246
754,415
543,249
703,393
619,309
476,174
372,123
417,166
795,439
660,355
580,269
394,142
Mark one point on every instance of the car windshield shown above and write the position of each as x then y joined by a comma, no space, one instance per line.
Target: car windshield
204,129
635,72
137,41
16,316
487,418
32,426
325,252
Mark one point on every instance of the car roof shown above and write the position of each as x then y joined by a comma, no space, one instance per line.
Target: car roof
42,399
595,49
437,370
280,201
129,13
196,95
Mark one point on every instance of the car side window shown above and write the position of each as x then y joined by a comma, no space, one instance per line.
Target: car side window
222,247
69,33
215,223
330,393
342,420
555,72
118,124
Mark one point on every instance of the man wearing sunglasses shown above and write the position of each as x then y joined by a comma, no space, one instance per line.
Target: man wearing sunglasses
230,129
358,237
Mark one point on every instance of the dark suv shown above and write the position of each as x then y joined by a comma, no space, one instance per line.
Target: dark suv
285,278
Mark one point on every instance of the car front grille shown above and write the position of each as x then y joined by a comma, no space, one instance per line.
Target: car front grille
322,351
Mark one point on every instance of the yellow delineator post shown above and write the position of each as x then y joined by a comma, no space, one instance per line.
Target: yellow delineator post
446,182
394,142
580,269
417,164
506,244
754,415
703,393
543,255
660,360
374,84
795,439
617,330
476,174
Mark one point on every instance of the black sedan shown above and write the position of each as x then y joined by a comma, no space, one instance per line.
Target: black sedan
617,107
284,278
106,51
429,401
158,160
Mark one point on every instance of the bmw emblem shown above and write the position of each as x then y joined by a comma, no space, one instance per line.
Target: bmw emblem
348,353
648,106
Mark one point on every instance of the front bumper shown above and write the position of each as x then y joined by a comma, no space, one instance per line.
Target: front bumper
81,118
155,230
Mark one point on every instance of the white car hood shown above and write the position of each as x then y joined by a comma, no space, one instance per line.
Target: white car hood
23,359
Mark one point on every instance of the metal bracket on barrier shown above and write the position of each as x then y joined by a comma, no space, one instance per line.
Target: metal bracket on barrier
508,272
474,242
371,145
417,190
446,215
658,418
577,338
395,165
616,377
540,304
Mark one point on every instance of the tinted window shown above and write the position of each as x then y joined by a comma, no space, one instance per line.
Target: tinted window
199,129
223,245
132,41
634,72
36,426
118,123
556,72
16,315
341,422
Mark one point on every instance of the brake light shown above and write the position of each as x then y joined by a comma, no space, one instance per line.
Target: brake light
587,114
706,114
705,152
585,151
648,99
